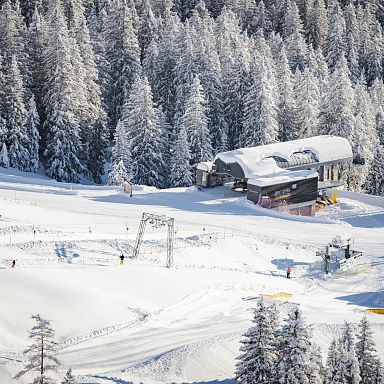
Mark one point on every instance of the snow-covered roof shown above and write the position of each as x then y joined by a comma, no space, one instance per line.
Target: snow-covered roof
258,161
282,177
205,166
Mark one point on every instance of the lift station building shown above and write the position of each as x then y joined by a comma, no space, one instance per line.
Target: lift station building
287,176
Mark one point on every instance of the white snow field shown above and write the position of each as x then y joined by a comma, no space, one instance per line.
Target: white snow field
142,322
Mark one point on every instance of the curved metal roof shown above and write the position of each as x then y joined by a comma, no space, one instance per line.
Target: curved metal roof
267,159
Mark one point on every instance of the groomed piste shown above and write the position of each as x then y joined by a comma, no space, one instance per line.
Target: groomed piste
143,322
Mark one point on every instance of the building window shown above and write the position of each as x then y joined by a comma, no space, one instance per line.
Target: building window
282,192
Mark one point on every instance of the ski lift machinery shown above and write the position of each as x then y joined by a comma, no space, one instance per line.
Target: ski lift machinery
156,221
339,244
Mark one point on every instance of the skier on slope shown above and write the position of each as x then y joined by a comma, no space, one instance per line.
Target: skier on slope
13,263
121,259
289,272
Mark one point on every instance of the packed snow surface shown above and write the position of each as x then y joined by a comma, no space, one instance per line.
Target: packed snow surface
142,322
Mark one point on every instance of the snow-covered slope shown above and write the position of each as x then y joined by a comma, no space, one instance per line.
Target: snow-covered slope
144,323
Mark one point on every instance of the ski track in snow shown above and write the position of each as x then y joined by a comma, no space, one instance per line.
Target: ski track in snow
143,323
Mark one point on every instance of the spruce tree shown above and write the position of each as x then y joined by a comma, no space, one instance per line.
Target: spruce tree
332,364
287,103
123,54
235,83
364,136
32,124
374,183
144,135
181,170
296,48
366,353
195,122
260,124
347,371
338,103
334,47
295,351
69,378
63,149
15,116
307,102
92,117
4,159
317,24
41,354
118,174
259,348
377,97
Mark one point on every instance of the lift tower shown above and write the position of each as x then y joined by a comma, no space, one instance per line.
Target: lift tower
157,221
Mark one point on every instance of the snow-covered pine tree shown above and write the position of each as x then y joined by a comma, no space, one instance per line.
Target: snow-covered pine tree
62,153
364,136
168,56
351,41
260,106
148,28
69,378
96,29
374,183
15,115
295,349
371,44
41,354
93,119
307,104
36,43
366,353
332,364
123,54
287,104
4,159
121,151
181,170
195,122
186,69
317,24
295,46
259,347
377,96
316,371
12,37
184,8
235,83
168,138
32,124
144,135
338,104
211,81
347,367
118,174
334,46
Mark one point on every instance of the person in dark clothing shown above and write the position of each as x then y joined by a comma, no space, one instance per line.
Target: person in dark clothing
121,259
289,273
13,264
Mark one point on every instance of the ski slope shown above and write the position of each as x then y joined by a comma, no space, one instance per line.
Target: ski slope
142,322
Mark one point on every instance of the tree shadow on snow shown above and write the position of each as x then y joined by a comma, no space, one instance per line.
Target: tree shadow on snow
226,381
113,380
203,202
366,221
284,263
365,299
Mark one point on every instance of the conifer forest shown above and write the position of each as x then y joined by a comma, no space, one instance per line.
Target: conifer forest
144,90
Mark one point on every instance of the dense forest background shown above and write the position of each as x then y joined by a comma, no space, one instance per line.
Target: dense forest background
156,86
